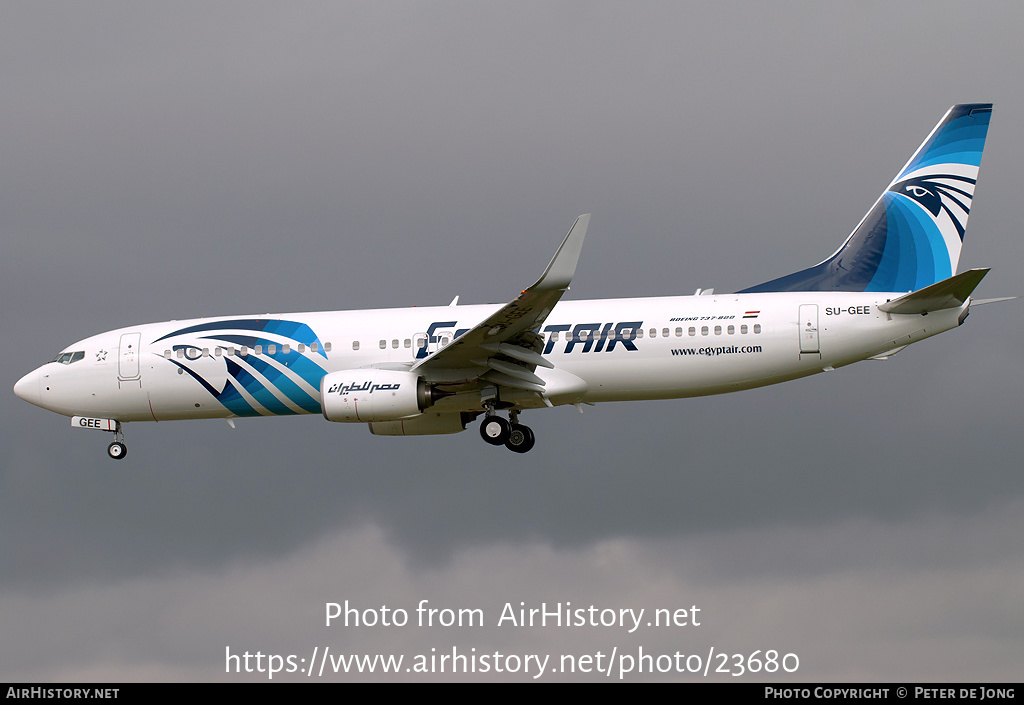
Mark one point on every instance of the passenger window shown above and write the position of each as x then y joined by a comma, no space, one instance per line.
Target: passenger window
408,343
271,349
757,327
394,344
181,354
355,344
718,330
731,330
258,350
743,329
693,331
679,332
654,332
168,354
286,348
383,344
206,352
703,330
664,332
218,351
327,347
313,347
301,347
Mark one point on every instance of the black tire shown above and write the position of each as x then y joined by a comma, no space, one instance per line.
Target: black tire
520,439
494,430
117,450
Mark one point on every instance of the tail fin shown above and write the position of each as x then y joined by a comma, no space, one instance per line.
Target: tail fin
911,237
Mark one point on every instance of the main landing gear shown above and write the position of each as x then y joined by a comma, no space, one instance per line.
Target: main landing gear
511,434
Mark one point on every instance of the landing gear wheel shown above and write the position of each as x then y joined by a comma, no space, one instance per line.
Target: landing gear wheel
117,450
520,439
494,430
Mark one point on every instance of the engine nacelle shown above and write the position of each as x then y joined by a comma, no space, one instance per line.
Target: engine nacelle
426,424
374,395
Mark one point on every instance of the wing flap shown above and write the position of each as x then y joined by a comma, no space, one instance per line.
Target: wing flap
520,353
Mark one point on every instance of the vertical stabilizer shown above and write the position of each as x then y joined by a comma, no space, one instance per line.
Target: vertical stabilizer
911,237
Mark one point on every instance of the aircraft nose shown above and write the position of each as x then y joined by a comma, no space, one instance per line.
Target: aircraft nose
27,388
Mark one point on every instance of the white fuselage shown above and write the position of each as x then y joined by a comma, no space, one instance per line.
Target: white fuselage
602,350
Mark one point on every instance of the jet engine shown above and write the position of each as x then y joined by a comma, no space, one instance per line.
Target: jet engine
374,395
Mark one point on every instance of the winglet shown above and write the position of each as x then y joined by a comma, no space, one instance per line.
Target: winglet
562,266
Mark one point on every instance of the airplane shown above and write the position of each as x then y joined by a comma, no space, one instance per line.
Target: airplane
434,370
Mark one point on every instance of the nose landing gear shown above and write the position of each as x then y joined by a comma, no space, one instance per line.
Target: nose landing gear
117,450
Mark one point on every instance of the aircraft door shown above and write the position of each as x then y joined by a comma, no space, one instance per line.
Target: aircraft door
809,329
128,356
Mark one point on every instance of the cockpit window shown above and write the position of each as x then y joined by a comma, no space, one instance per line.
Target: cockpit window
67,358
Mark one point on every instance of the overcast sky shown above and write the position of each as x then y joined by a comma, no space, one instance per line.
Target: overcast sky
176,160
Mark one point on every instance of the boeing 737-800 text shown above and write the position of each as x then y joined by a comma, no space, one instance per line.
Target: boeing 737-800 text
433,370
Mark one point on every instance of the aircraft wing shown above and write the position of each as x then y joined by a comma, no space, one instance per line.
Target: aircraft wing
505,348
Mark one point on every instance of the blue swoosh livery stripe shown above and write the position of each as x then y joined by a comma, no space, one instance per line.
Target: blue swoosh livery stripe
281,385
911,237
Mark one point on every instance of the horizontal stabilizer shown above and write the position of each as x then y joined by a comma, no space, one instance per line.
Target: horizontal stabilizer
982,302
948,293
